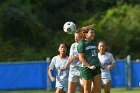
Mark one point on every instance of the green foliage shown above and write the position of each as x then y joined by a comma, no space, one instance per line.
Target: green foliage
32,29
120,28
21,29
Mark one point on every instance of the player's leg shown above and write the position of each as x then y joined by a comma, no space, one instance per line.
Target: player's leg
72,84
92,88
107,87
59,90
72,87
86,85
81,85
96,84
60,87
81,89
96,81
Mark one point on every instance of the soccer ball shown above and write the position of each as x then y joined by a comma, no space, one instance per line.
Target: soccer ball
69,27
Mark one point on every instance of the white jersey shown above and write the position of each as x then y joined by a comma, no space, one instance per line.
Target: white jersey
75,65
61,78
106,60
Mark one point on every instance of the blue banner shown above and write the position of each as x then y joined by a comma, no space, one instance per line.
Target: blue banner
118,74
135,68
31,75
34,75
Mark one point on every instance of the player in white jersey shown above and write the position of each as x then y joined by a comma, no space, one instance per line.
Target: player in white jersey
73,61
107,62
59,62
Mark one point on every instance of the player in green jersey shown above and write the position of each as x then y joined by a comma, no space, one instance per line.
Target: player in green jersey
88,55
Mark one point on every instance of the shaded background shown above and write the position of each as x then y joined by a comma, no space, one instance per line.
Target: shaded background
32,29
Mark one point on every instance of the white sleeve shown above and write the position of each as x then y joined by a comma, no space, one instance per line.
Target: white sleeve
71,49
112,60
52,64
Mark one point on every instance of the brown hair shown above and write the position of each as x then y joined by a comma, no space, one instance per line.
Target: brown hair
106,47
85,30
65,45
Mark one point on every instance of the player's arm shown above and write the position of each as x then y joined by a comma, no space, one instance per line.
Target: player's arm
50,75
71,57
69,61
101,66
112,60
51,69
111,66
75,57
82,59
80,49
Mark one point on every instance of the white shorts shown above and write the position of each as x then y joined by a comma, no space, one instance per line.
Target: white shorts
74,78
105,81
106,77
63,86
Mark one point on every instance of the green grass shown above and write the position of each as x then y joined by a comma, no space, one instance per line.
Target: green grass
124,90
113,90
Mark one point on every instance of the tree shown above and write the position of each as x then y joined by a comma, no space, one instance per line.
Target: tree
120,28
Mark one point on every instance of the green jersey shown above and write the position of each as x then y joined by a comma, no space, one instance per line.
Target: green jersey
90,52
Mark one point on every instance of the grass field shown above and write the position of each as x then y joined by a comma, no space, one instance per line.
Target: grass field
113,90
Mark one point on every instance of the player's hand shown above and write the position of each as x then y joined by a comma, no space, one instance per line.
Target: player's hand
109,67
52,79
61,70
73,58
92,67
102,67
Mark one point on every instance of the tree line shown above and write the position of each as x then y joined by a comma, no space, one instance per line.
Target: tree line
31,29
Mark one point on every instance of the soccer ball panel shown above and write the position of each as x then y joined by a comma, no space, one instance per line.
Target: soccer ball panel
69,27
